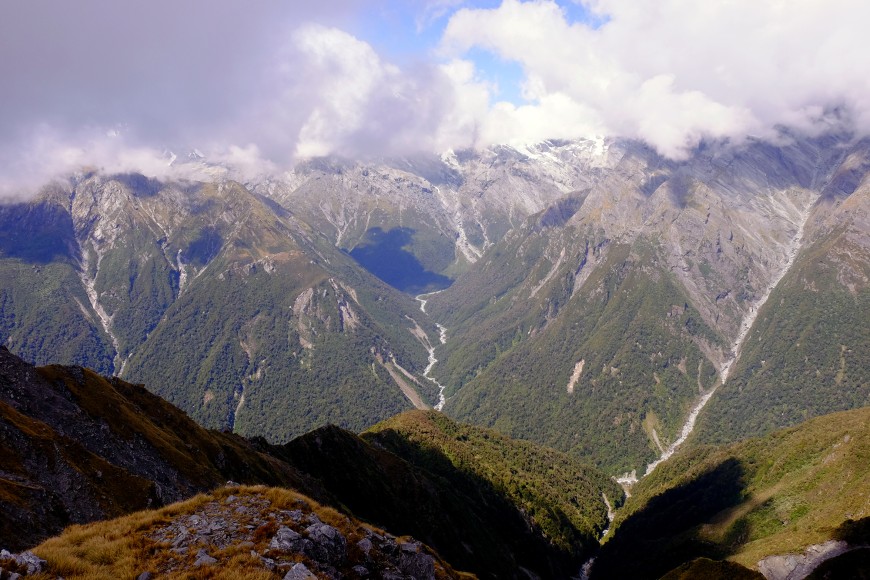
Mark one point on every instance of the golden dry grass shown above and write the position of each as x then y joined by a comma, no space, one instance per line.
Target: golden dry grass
122,548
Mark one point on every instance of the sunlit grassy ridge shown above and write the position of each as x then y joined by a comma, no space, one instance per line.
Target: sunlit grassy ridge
558,493
126,547
773,495
808,353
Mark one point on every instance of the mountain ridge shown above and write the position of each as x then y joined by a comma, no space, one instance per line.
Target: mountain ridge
557,250
77,447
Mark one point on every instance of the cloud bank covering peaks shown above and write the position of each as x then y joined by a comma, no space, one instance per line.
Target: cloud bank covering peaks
674,72
115,85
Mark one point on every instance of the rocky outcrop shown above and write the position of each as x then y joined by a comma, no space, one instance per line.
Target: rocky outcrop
14,566
293,543
799,566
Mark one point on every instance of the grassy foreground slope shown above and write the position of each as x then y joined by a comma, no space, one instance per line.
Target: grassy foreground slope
775,495
237,528
76,447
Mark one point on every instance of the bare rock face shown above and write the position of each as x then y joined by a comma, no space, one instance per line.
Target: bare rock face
299,572
799,566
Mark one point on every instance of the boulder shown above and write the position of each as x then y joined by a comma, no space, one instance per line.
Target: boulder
203,559
299,572
286,540
328,543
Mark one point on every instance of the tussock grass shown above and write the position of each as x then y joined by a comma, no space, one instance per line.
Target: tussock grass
123,548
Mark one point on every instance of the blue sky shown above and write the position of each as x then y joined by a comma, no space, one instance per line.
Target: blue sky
406,32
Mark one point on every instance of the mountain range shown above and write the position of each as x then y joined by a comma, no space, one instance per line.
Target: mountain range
588,287
589,296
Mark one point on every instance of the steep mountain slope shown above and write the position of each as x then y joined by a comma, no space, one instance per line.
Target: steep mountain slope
598,325
750,502
518,506
448,208
42,300
603,292
76,447
218,299
809,351
630,329
566,503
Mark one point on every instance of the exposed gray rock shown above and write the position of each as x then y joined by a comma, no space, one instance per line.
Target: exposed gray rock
416,563
365,545
410,547
219,524
269,563
329,544
295,515
203,559
31,561
145,576
180,539
286,540
299,572
799,566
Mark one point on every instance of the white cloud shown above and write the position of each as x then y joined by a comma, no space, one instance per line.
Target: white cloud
344,73
48,153
262,88
335,94
673,72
